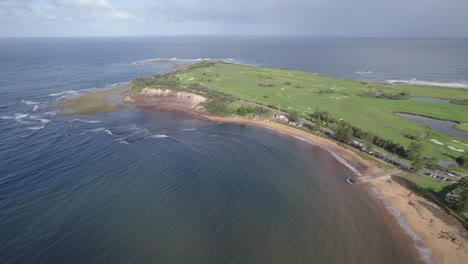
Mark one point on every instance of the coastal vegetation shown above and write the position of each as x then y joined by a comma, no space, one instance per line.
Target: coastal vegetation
462,127
340,104
334,104
460,101
383,95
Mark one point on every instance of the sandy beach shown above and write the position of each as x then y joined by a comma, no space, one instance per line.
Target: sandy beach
442,233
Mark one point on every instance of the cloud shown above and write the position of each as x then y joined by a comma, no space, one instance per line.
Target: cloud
121,15
374,18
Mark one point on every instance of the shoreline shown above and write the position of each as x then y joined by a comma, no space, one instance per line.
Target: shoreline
346,157
428,231
437,237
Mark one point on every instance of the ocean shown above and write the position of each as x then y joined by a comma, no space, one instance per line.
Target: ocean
139,186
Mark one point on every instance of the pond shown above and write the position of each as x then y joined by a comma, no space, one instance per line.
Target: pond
432,100
445,127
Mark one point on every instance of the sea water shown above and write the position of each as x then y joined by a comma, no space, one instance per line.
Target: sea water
138,186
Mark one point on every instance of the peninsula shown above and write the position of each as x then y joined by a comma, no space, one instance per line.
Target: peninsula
360,123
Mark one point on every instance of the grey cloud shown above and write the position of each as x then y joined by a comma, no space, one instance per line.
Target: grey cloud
380,18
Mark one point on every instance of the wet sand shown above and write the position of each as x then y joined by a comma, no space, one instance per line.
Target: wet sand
439,231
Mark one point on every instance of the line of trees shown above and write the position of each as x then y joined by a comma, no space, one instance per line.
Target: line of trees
243,110
345,132
461,195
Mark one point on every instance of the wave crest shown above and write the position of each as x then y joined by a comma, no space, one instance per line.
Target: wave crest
462,85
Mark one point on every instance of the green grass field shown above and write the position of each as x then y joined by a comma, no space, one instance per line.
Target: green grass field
306,92
462,127
428,183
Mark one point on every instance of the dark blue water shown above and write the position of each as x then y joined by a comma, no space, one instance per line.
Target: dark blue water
136,186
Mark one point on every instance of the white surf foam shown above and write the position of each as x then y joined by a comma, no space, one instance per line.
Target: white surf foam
424,252
50,114
85,121
363,72
189,129
336,156
36,127
26,102
158,136
20,116
44,120
122,141
69,92
97,129
463,85
108,132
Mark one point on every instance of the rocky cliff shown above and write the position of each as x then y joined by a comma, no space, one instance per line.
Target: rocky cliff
169,99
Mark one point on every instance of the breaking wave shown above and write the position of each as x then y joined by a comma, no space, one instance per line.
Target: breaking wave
158,136
26,102
85,121
424,252
462,85
69,92
17,116
36,127
363,72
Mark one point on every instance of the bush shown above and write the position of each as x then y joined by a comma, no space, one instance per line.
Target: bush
463,161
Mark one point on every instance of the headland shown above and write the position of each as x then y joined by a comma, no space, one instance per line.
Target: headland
247,95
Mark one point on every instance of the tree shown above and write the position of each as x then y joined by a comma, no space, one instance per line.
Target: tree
293,116
242,111
415,150
368,140
463,161
344,132
417,165
318,123
461,198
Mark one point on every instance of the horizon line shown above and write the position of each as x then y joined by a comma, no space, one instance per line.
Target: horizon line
236,35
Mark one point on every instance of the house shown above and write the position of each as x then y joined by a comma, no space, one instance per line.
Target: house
281,117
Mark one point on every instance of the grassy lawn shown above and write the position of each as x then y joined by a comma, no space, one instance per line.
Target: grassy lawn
306,92
462,127
427,182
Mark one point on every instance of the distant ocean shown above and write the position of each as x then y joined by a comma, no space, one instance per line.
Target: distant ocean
135,186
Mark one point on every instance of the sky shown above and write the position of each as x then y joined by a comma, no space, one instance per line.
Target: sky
340,18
